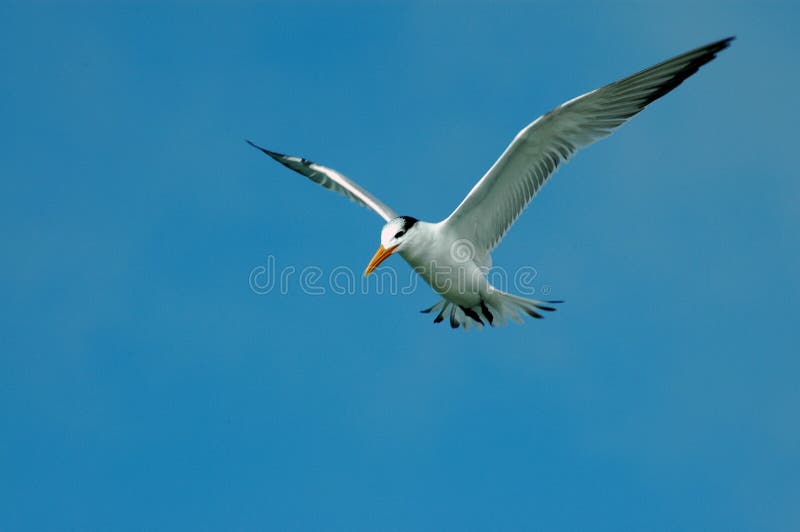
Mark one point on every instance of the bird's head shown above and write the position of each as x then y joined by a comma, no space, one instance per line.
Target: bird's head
394,235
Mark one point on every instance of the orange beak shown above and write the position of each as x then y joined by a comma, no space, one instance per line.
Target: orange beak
381,255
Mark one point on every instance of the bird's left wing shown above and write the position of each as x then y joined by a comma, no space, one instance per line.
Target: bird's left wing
495,202
332,180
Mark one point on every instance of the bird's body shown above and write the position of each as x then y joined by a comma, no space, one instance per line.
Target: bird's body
454,255
444,262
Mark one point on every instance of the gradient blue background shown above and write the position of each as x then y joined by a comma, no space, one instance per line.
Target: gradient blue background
143,385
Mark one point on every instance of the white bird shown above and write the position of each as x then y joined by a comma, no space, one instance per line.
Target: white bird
453,255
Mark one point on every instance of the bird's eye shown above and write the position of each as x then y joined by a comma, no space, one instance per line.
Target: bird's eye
399,234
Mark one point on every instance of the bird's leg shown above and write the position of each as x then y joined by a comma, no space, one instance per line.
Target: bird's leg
487,313
472,314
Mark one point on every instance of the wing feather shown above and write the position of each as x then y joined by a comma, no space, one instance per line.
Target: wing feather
332,180
501,195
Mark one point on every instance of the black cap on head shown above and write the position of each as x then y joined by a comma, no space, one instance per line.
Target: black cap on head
408,221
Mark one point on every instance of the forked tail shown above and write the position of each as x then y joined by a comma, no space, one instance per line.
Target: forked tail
496,309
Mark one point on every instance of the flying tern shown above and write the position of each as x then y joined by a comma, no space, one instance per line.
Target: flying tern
453,256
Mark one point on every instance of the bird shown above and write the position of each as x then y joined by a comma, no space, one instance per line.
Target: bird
454,255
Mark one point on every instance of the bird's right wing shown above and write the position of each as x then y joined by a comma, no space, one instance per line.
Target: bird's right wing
332,180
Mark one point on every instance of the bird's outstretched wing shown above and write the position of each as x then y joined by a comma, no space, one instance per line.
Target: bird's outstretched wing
500,196
332,180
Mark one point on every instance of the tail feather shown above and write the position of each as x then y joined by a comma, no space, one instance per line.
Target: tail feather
497,308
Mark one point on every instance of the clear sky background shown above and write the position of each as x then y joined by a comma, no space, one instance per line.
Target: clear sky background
144,385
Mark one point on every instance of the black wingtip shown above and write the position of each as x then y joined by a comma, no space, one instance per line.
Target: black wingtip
722,44
717,46
268,152
700,56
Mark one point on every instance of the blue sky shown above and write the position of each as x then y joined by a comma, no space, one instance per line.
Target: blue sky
144,385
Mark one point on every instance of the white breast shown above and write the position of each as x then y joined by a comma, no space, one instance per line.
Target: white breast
447,264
